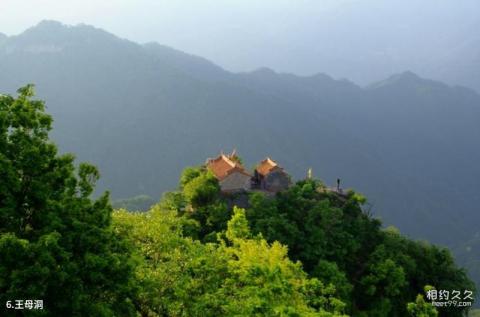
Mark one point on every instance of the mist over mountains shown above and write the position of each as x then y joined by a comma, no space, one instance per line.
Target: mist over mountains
369,40
365,41
143,112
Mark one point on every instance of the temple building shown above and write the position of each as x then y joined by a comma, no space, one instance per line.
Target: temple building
230,173
232,176
269,176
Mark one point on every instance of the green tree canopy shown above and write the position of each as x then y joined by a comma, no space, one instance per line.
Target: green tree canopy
56,243
245,277
421,308
307,251
375,272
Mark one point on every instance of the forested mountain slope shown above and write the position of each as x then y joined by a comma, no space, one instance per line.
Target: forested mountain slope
305,251
143,112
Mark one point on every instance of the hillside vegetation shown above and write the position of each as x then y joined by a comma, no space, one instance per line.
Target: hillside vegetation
305,252
141,113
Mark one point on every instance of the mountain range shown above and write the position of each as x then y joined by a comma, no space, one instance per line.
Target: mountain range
363,41
143,112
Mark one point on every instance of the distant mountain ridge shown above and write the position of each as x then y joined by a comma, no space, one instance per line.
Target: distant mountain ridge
193,65
143,112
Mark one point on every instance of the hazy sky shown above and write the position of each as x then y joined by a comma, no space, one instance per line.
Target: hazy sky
205,27
174,20
301,36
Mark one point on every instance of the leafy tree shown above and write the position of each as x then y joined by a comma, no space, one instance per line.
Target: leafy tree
421,308
422,264
238,226
383,270
202,189
331,275
177,276
199,198
374,272
56,243
173,201
247,276
266,283
189,174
